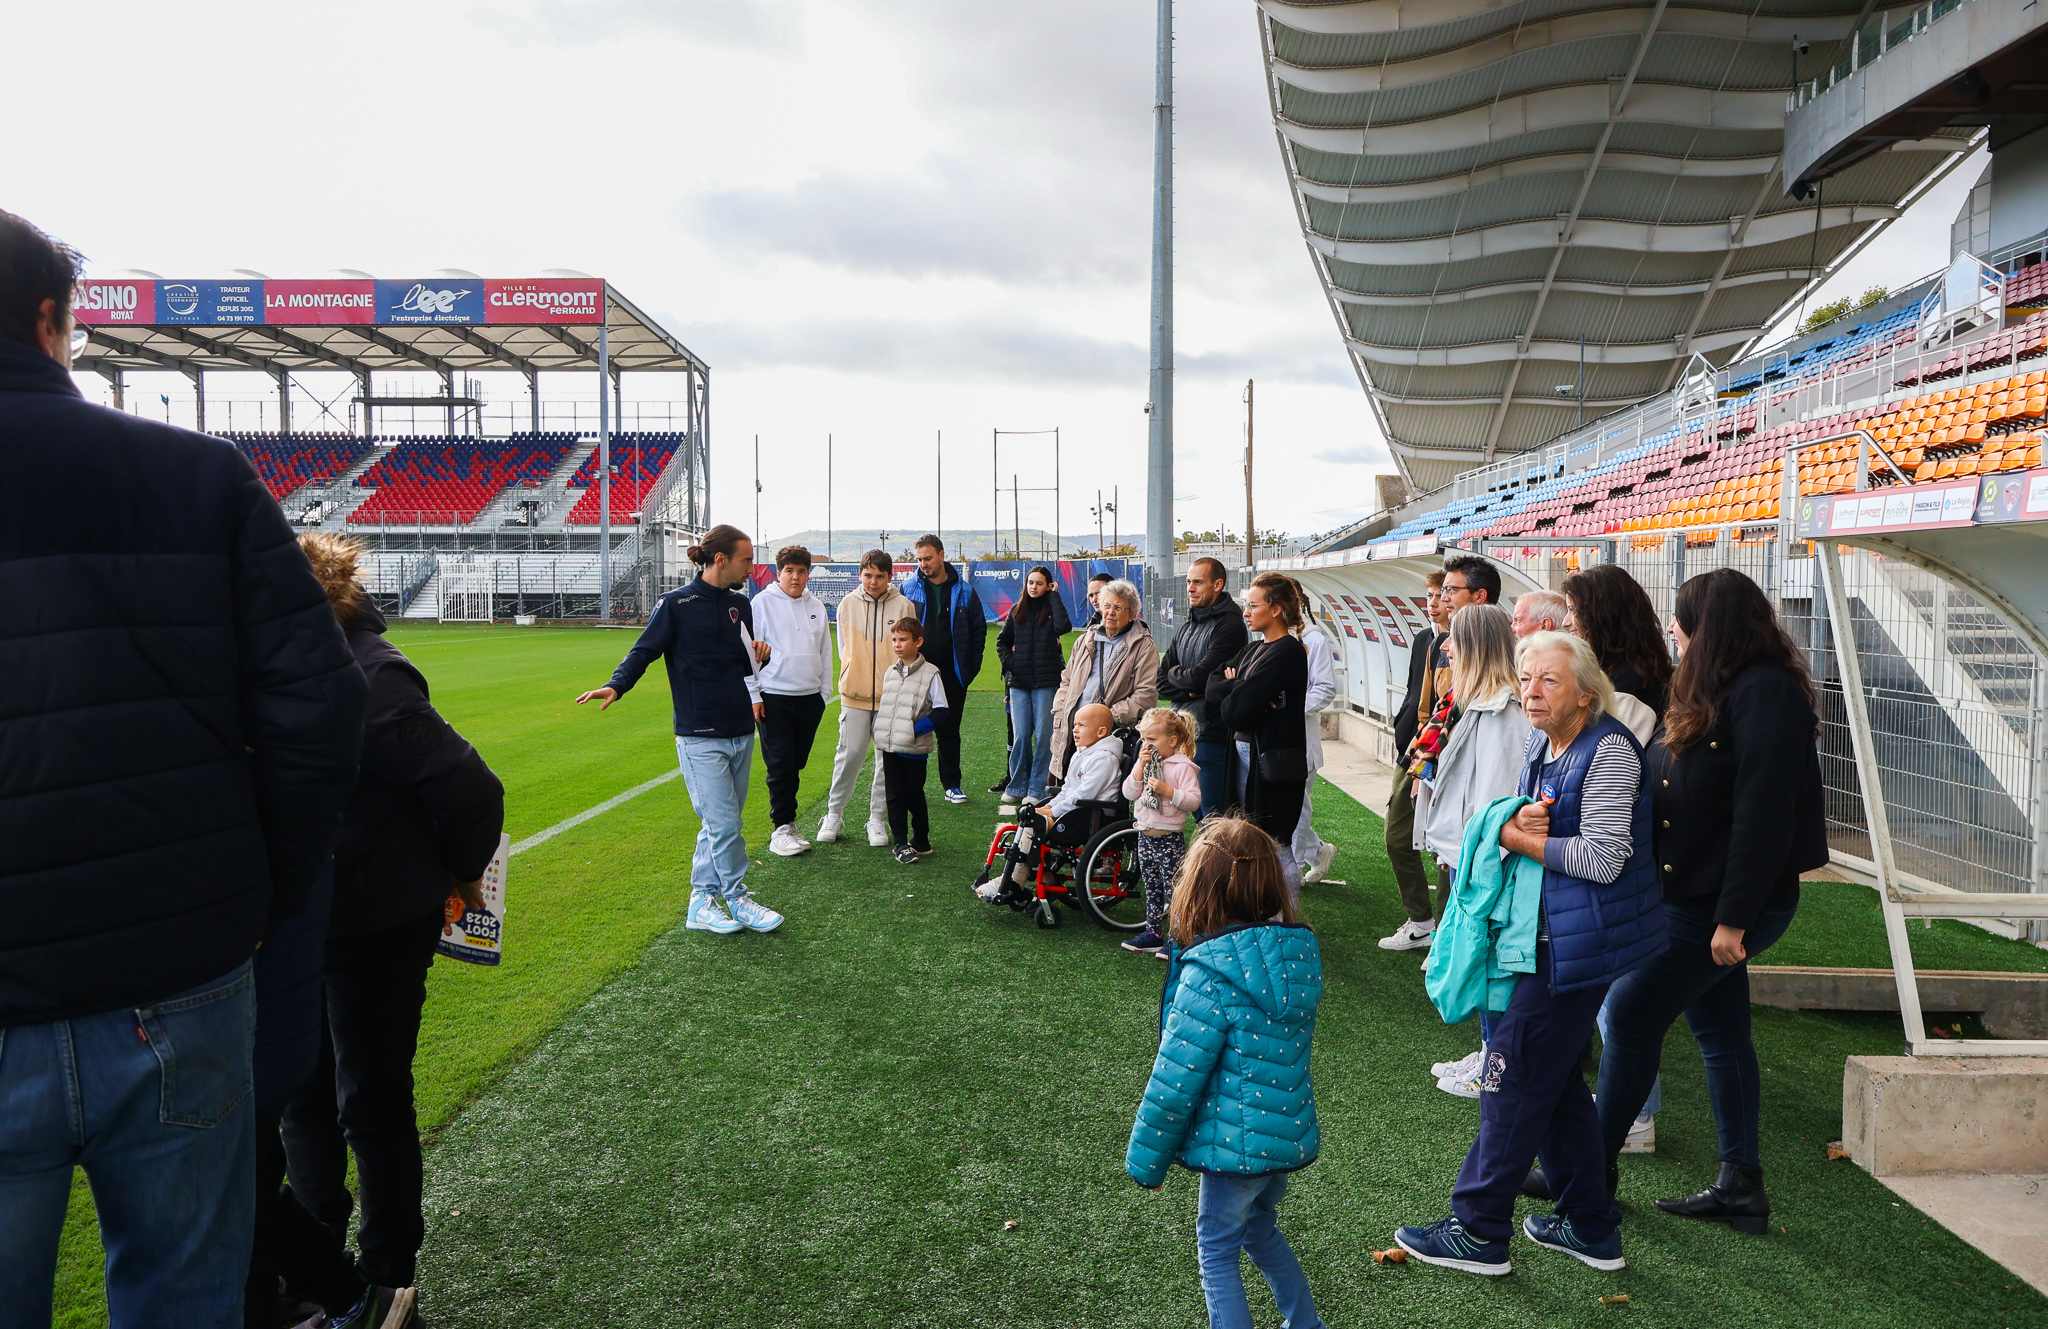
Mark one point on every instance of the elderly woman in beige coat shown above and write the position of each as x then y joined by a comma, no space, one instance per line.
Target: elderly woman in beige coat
1116,664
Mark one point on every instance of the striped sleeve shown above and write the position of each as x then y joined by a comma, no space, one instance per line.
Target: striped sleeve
1607,801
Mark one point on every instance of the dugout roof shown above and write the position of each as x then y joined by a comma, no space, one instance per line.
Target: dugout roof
360,324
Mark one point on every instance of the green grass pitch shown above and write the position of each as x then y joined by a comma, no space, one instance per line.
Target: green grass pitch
831,1125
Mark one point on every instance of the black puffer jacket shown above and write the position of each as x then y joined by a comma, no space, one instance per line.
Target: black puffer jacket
1212,637
1028,647
179,715
426,811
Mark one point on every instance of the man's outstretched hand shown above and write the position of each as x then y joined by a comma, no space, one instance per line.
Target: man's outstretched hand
604,697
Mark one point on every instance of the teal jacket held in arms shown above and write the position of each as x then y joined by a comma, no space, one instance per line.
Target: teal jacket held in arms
1488,937
1230,1088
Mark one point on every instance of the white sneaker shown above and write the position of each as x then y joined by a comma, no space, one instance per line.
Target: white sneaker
707,914
878,835
1409,936
1320,868
828,829
787,842
1464,1067
1642,1137
1463,1086
989,891
747,912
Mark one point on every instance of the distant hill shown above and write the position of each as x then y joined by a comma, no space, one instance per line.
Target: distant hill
850,543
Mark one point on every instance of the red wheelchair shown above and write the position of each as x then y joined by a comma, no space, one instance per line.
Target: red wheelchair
1087,860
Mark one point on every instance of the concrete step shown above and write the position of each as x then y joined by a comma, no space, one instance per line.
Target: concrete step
2012,1005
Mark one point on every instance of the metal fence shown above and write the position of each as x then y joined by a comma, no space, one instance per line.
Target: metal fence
1957,698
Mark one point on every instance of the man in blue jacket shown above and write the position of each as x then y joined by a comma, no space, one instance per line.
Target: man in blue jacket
180,722
705,633
955,631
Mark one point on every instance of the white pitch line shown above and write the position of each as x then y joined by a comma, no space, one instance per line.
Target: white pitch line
572,823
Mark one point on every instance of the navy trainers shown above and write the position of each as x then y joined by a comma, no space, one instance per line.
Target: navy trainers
1556,1232
1147,942
1446,1242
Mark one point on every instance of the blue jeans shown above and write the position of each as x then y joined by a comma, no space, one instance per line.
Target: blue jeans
1714,999
716,771
1238,1214
1655,1102
1031,745
1212,774
153,1102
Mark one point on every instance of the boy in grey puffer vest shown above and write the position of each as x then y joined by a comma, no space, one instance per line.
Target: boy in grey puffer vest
911,690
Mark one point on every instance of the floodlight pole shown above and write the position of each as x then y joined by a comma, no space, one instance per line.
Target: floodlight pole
604,470
1159,476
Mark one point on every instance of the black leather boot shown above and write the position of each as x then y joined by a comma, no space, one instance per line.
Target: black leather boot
1736,1198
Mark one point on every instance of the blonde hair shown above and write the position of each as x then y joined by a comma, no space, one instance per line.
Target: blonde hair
335,560
1231,875
1283,597
1179,725
1483,646
1587,675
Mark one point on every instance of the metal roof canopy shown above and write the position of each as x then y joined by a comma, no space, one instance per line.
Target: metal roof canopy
638,345
1486,186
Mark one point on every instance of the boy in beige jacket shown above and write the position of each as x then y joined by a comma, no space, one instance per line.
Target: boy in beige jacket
865,617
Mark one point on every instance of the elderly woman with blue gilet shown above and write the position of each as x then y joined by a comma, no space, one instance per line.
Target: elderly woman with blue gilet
1587,822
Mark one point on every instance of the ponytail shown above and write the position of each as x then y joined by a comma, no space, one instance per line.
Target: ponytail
718,540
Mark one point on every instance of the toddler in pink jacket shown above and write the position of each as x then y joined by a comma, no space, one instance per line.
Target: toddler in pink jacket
1163,788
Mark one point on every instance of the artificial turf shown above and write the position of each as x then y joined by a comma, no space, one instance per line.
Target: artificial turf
832,1124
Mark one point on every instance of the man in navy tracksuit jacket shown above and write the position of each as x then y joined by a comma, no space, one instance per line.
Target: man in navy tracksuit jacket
705,633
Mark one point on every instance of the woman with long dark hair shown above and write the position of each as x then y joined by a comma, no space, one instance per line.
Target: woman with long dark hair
1736,781
1609,609
1028,649
1259,695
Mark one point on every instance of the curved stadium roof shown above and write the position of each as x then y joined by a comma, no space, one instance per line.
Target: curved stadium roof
1484,184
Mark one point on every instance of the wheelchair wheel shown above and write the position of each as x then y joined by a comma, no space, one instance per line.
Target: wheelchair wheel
1047,916
1109,884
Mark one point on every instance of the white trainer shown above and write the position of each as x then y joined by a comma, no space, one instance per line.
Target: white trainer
1466,1086
1642,1137
878,835
707,914
748,912
989,891
1319,869
1464,1067
787,842
829,828
1410,936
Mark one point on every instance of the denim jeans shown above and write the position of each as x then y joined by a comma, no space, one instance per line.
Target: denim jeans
1655,1102
1031,748
1238,1214
717,770
1212,774
154,1103
1714,999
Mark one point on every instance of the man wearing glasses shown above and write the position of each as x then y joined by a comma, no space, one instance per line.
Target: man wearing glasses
182,729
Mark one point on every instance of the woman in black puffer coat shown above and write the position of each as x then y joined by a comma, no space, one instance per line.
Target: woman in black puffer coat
1028,649
1259,695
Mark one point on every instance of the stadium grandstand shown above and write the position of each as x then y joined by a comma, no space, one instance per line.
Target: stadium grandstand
528,521
1528,214
1880,476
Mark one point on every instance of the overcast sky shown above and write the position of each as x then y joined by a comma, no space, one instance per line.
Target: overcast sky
875,218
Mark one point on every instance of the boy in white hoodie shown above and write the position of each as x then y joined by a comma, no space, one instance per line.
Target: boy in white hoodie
864,618
793,635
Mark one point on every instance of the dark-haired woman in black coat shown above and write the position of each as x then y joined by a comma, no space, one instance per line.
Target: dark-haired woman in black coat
1259,695
1028,649
1736,782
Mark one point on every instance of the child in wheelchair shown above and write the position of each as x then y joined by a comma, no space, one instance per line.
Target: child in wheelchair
1164,787
1093,771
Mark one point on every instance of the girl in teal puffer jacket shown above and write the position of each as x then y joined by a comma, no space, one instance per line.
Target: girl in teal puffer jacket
1230,1097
